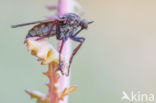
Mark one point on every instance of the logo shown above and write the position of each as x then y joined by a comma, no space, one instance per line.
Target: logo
137,96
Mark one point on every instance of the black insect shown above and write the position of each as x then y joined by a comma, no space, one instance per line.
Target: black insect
67,26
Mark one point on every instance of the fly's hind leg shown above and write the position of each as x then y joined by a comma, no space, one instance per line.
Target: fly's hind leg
81,41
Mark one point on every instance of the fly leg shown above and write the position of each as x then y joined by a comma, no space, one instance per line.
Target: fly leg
60,61
81,41
58,32
77,32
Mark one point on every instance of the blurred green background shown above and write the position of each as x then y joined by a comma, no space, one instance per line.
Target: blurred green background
119,53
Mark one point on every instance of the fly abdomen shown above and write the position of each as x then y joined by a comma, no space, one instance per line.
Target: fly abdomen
42,30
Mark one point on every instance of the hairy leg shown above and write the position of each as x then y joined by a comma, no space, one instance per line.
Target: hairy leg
81,41
60,61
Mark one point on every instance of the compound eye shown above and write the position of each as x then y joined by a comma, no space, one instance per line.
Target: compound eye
85,25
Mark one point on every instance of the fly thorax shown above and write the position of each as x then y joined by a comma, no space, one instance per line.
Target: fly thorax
72,19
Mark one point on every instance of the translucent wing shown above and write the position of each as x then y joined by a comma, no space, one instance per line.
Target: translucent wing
30,23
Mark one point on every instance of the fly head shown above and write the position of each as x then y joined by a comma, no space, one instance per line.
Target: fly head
84,23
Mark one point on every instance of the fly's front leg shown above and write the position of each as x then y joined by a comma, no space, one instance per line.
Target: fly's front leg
81,41
77,32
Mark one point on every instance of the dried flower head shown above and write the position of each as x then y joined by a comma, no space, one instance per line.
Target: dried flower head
43,50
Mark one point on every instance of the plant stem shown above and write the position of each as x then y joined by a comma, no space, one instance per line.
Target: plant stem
65,6
52,80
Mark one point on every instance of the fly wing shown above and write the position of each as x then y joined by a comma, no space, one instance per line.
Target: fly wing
35,22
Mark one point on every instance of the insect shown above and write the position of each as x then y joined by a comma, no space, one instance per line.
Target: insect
67,26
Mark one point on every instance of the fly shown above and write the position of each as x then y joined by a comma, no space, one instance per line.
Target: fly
67,26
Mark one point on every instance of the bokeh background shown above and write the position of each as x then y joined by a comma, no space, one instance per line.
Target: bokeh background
118,55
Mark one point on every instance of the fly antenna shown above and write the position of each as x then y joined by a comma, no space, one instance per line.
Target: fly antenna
90,22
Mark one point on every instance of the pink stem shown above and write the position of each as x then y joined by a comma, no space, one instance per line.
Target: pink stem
65,6
52,80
